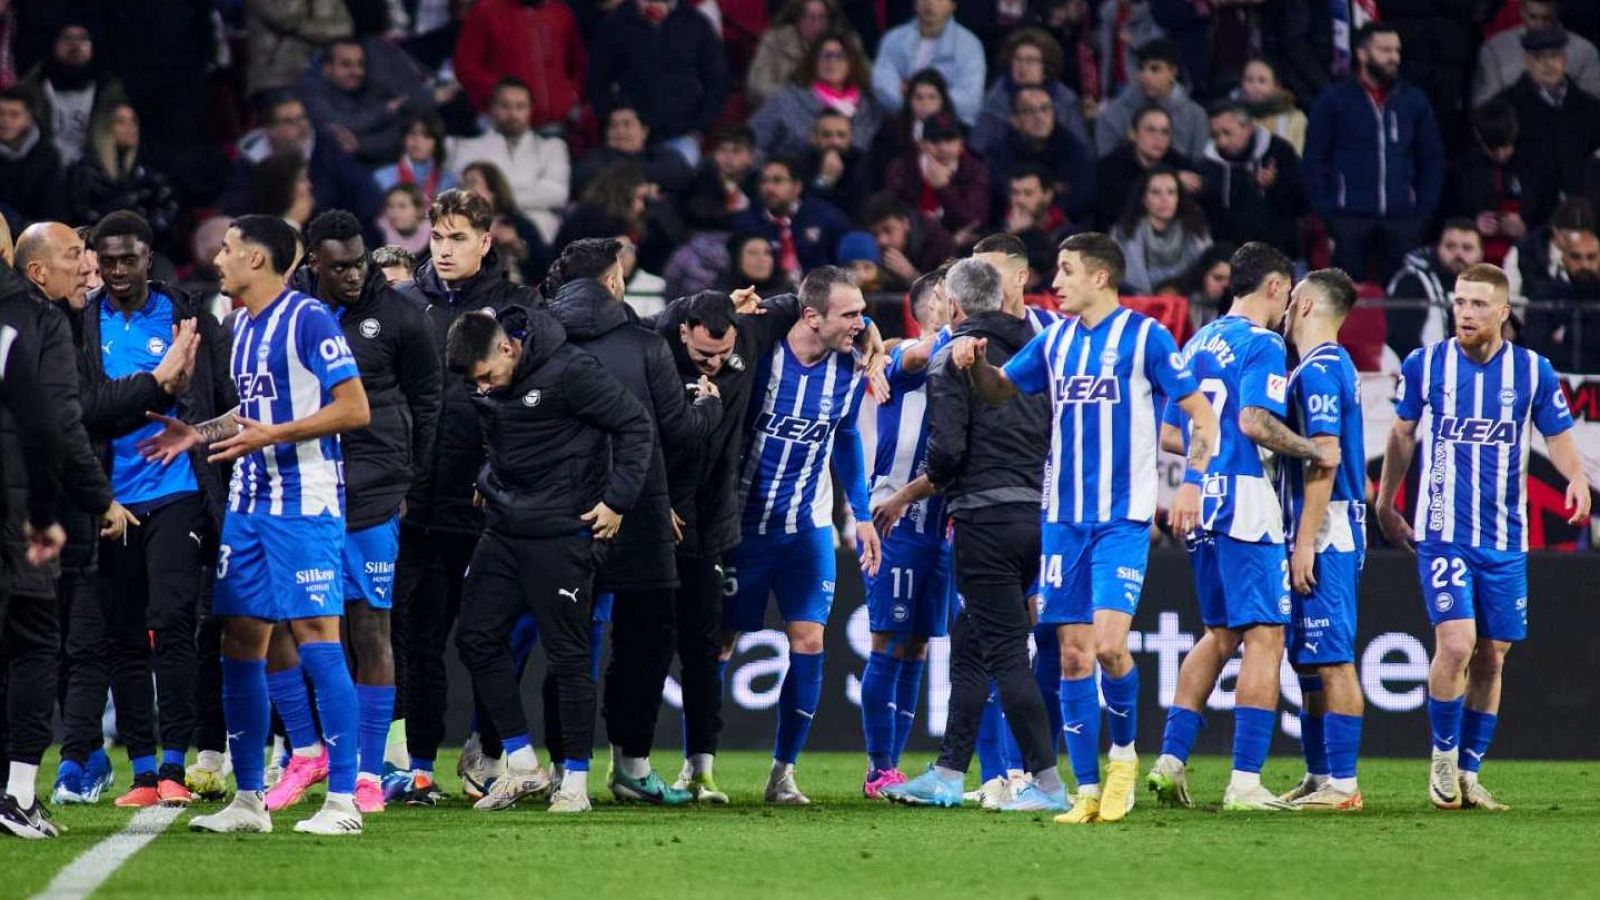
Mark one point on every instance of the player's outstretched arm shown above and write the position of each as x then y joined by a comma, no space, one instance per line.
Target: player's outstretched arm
989,383
1397,455
887,514
1267,430
346,412
1563,453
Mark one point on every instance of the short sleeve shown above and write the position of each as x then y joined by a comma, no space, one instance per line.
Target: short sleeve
1316,396
901,381
322,347
1165,366
1550,412
1408,397
1263,382
1029,369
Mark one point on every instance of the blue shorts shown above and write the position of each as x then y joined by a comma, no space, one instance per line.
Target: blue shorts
1087,567
280,567
911,592
369,556
799,568
1488,586
1240,583
1322,630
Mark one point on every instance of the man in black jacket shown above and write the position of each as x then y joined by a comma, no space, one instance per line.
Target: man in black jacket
151,578
569,450
1253,189
985,459
709,339
25,625
32,621
1558,124
393,347
584,291
441,526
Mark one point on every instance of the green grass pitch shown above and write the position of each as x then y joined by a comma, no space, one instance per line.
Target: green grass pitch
847,847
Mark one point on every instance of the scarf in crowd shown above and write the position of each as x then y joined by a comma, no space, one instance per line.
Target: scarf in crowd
408,175
1163,250
845,102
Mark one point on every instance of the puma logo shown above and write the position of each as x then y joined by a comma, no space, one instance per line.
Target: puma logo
1073,728
570,595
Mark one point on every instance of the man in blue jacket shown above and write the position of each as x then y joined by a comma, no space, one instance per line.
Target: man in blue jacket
1373,160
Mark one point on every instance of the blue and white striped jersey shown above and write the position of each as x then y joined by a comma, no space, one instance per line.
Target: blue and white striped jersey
1102,382
286,362
801,419
1325,400
1239,364
903,443
1472,421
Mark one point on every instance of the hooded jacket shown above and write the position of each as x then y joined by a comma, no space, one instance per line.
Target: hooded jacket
1237,207
393,346
84,481
988,460
1422,278
563,436
31,178
441,494
25,404
642,555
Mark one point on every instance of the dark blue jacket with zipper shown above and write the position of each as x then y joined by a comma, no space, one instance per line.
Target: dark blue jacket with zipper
1364,160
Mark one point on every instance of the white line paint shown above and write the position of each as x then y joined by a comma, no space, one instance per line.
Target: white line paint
94,866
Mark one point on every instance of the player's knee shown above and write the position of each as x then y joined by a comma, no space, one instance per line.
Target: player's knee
806,642
1487,661
1112,652
915,648
1076,662
1454,650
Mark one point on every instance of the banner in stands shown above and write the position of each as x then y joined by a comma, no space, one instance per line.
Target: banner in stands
1549,688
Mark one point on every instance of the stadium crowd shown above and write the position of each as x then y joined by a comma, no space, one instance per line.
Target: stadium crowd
878,136
430,195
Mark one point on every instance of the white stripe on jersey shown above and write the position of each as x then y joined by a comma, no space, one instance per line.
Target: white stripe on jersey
319,481
1527,447
824,483
1451,400
913,411
1419,516
1477,456
1063,338
1077,437
1508,376
1107,435
1142,434
269,456
783,457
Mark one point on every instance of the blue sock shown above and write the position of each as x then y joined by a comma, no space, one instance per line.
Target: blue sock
1252,735
1047,672
1312,741
143,765
597,639
878,708
907,692
1183,725
797,704
991,747
99,762
375,703
1122,706
1444,718
336,706
70,772
515,742
1344,744
288,692
1477,730
575,765
170,757
1080,717
248,714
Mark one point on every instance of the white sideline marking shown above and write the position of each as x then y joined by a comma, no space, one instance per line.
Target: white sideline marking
95,865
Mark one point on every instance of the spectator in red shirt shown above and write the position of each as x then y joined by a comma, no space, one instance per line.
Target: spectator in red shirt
535,41
944,179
